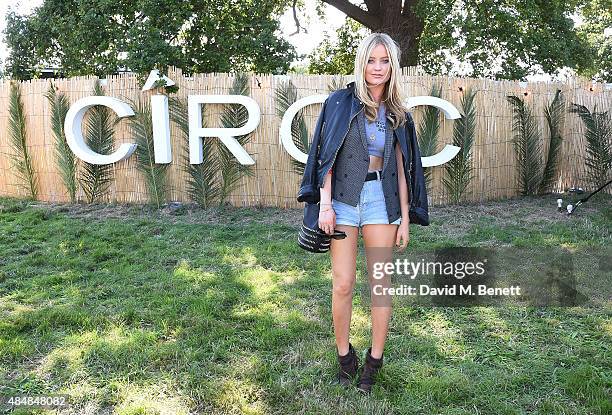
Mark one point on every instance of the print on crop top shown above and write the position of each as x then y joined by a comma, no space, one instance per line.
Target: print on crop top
376,132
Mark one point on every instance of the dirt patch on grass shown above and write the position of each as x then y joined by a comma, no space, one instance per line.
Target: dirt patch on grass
177,213
521,210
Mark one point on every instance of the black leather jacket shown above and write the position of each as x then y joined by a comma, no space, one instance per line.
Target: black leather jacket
330,132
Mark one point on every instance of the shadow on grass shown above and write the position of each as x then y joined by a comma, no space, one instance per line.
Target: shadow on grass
138,315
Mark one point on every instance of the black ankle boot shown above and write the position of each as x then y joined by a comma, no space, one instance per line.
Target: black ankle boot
348,366
370,368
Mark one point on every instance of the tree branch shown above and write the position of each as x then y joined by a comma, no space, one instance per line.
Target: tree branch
296,20
409,8
373,6
367,19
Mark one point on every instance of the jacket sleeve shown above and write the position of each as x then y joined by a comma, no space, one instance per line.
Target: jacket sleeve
419,212
309,189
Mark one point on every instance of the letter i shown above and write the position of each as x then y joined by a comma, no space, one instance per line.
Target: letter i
161,129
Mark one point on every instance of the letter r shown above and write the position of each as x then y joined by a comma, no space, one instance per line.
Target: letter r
196,130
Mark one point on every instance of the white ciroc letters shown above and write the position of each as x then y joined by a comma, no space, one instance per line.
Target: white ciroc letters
161,127
74,134
451,113
449,110
226,134
285,127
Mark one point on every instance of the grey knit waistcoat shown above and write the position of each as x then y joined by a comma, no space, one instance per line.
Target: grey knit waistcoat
351,167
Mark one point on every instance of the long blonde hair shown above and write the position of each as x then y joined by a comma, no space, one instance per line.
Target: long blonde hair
392,95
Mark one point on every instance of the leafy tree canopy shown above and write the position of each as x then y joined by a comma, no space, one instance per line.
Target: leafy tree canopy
338,57
501,39
99,37
597,17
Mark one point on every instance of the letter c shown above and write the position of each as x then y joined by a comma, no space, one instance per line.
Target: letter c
74,133
450,112
285,127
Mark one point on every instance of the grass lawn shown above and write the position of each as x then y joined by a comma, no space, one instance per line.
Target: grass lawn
129,310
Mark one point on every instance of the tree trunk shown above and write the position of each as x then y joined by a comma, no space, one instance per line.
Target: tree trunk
387,16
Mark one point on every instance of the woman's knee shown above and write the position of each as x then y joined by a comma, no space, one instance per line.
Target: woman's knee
343,287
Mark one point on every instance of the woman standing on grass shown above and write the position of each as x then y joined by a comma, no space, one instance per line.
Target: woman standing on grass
365,135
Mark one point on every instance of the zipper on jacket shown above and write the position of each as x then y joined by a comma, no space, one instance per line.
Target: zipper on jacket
341,142
410,185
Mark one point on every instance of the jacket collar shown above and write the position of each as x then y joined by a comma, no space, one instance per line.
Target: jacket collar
356,104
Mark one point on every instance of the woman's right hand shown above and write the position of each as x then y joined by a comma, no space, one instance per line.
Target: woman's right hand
327,220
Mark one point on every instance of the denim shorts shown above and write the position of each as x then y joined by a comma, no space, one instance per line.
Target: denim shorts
370,210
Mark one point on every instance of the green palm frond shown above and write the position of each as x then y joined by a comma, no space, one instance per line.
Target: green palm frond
555,118
286,94
141,127
233,116
21,158
95,179
459,171
201,185
64,157
429,129
598,137
336,83
527,146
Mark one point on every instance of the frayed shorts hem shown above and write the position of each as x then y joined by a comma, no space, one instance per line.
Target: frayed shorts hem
371,209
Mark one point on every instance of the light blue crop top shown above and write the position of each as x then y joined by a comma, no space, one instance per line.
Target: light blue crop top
375,133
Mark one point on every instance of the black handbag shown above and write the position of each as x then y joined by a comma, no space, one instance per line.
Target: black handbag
310,236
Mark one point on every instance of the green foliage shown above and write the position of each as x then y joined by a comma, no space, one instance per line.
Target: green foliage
598,137
201,185
527,146
20,63
459,171
428,130
95,179
64,157
141,127
338,56
161,83
21,158
555,118
537,176
285,95
103,36
597,17
502,42
233,115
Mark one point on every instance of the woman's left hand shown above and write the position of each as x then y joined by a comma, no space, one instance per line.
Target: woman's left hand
403,235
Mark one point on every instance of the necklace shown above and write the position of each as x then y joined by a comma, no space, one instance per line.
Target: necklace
379,125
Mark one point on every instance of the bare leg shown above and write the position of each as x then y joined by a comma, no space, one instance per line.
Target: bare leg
379,241
344,268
